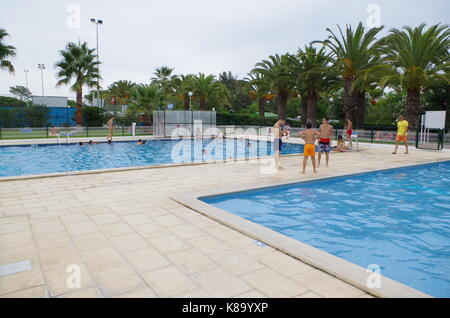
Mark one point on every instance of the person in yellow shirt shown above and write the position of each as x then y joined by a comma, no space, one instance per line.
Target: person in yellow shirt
402,134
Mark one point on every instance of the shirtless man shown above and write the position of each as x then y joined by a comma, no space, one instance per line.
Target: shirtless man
309,136
278,133
110,129
326,132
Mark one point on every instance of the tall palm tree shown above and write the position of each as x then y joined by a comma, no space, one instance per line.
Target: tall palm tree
416,59
209,91
121,91
144,99
314,75
354,52
278,71
78,64
6,52
259,90
184,84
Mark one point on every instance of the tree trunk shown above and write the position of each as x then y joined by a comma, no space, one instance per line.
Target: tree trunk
303,110
311,108
350,100
261,106
282,99
79,107
186,102
361,109
202,103
413,107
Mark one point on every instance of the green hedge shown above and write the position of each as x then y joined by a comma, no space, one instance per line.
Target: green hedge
249,120
12,102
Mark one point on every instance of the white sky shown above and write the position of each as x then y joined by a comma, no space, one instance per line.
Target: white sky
193,36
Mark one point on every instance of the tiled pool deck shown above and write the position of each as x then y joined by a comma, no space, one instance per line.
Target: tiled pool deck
132,240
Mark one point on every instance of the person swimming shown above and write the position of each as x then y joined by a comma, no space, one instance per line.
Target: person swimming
80,143
91,142
141,142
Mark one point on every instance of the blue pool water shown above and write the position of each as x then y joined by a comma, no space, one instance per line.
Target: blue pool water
398,219
29,160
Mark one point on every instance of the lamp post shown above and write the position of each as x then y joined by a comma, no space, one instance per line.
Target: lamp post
26,77
97,22
190,99
42,68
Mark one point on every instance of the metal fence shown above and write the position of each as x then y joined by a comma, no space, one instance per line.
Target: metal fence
46,132
183,122
434,139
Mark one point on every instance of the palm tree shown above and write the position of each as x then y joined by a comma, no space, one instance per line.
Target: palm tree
354,52
278,71
144,99
184,84
260,88
121,91
78,64
162,74
314,74
209,91
6,52
416,59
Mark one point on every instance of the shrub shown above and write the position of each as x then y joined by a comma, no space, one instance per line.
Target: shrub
12,102
249,120
93,116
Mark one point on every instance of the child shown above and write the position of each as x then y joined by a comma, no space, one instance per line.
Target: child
309,136
341,144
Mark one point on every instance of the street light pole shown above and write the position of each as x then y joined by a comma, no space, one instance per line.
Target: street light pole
26,77
190,100
97,22
42,68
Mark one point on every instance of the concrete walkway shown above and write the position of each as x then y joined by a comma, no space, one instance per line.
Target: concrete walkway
129,239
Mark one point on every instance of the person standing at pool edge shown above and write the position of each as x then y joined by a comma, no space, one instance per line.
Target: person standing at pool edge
402,134
326,132
309,136
278,134
110,129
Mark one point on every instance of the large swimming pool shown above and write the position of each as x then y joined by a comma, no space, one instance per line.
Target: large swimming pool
41,159
398,219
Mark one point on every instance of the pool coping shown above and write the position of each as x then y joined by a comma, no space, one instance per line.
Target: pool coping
120,169
340,268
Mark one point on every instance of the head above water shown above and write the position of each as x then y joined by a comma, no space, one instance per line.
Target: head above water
308,125
80,143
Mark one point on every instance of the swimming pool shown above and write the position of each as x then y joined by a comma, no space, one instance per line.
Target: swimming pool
398,219
42,159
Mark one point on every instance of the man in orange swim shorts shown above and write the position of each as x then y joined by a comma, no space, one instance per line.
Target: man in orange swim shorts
309,136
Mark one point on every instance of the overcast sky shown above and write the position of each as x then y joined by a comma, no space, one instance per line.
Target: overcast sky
208,36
